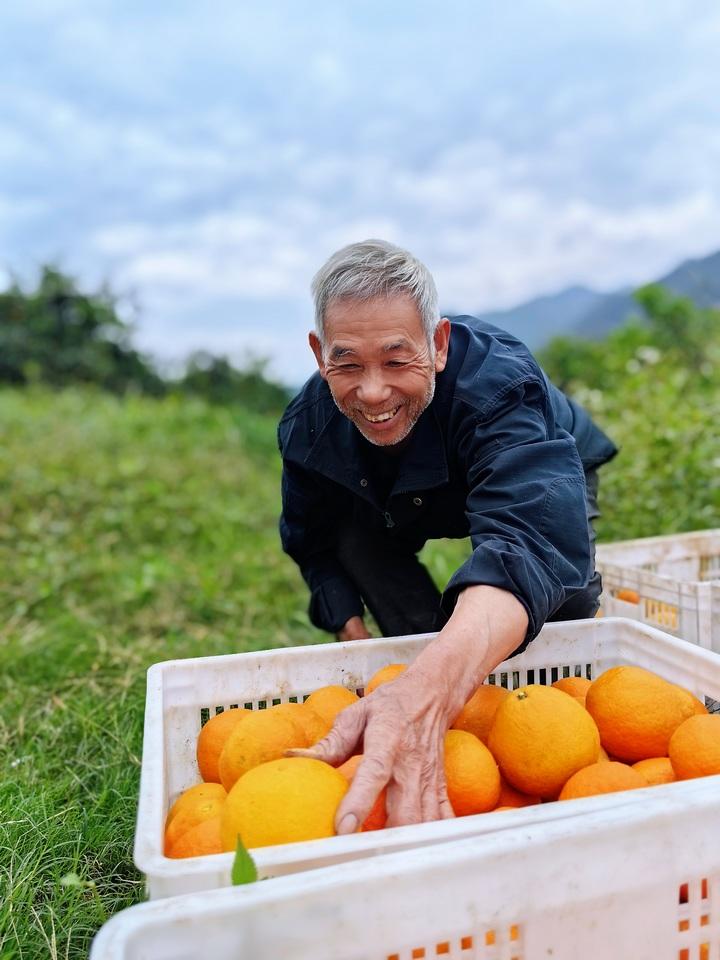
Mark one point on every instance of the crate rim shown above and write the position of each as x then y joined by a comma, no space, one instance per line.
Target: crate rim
151,861
686,535
635,808
378,642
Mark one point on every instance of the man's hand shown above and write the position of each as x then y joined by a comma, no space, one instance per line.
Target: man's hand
402,725
354,629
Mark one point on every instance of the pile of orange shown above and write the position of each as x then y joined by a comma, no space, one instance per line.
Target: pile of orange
628,728
251,788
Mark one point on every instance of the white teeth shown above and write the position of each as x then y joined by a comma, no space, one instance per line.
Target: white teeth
381,417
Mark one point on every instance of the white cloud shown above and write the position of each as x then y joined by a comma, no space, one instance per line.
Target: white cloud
192,158
542,248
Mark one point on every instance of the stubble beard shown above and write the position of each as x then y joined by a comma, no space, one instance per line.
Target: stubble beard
413,412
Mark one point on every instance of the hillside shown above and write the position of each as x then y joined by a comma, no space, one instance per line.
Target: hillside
588,313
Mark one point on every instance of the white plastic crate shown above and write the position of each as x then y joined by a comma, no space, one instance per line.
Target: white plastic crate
595,885
676,579
180,693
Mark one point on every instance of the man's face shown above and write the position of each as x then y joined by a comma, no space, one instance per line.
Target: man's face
378,364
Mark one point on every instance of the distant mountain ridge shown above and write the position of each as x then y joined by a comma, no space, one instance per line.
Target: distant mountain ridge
579,311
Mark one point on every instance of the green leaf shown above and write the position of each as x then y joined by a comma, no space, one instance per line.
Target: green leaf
243,869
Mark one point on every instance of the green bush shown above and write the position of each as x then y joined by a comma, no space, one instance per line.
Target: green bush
655,388
56,335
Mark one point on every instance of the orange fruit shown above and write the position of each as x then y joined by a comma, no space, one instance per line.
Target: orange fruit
193,796
377,818
477,715
636,712
384,675
263,736
212,739
510,797
313,726
575,686
282,801
540,737
603,777
603,754
199,841
471,773
695,747
697,705
629,596
194,811
656,770
327,702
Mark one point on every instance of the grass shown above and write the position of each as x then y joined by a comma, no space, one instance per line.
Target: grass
133,531
130,532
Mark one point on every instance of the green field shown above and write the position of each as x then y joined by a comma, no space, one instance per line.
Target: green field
136,530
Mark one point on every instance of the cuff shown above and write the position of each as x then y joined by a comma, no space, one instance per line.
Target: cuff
333,603
497,566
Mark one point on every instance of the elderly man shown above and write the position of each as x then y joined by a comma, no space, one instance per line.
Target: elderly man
417,427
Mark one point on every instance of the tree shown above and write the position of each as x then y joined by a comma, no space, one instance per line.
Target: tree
216,379
679,327
674,330
58,335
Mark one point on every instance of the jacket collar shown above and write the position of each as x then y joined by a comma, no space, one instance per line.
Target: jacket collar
337,454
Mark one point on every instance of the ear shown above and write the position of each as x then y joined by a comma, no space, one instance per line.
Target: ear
441,339
317,349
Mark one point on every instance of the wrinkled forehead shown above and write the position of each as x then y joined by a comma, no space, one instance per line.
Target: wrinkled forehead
382,323
338,350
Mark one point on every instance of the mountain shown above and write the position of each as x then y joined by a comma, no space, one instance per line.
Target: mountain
587,313
533,322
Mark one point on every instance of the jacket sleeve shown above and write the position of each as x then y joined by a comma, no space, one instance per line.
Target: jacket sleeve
525,505
311,510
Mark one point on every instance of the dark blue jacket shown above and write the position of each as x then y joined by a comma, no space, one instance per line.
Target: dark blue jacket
499,456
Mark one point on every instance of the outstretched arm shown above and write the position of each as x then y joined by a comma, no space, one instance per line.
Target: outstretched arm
404,723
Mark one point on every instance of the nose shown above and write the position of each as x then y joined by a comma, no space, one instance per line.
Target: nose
372,391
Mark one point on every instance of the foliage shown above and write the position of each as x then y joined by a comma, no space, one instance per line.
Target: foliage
57,335
132,530
216,379
136,529
655,387
244,868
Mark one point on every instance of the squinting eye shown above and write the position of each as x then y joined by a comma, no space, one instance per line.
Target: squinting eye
395,363
347,367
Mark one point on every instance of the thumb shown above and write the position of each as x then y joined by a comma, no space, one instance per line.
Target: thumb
339,744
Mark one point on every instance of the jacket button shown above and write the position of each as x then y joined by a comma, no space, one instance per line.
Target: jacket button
363,482
417,501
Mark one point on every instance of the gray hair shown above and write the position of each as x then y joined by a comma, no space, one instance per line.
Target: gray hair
375,268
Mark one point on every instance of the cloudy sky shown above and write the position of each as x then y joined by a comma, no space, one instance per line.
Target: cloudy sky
205,158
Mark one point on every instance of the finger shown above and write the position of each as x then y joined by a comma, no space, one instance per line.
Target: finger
433,788
347,730
430,796
383,748
404,804
371,776
420,791
446,810
415,794
445,807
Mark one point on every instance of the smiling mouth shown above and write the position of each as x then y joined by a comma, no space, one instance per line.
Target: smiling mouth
381,417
